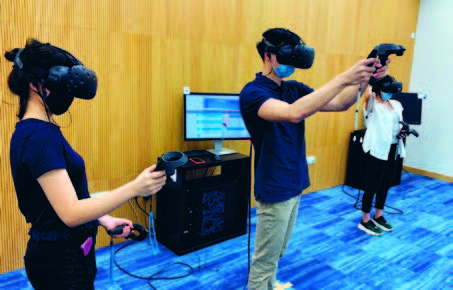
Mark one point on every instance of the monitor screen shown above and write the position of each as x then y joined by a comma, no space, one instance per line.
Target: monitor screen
412,105
212,116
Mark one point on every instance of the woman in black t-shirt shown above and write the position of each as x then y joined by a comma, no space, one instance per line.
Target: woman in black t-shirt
49,176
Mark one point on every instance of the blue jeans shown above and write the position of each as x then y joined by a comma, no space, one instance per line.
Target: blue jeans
60,264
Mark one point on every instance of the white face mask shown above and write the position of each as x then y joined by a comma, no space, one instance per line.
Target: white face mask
386,96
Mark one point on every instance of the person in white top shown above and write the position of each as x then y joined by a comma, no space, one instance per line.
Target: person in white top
382,145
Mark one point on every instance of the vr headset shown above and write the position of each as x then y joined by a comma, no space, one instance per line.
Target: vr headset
300,56
64,83
387,85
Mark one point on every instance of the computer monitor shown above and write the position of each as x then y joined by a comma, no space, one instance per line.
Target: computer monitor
213,116
412,105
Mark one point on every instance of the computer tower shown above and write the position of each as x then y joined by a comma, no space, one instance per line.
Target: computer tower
356,172
206,205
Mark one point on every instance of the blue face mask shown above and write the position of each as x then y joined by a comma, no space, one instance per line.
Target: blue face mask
284,71
386,96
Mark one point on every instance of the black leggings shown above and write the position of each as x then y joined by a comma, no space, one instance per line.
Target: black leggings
60,264
380,175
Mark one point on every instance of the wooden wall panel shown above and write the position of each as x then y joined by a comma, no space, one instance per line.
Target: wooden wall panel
144,52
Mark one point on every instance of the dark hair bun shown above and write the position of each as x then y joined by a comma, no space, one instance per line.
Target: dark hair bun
11,55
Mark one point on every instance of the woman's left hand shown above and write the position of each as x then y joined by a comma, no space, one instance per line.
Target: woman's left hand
381,70
109,223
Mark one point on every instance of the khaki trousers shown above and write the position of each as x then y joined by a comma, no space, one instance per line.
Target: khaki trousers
273,230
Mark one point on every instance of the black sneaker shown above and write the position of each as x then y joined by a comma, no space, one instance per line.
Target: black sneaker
370,228
382,223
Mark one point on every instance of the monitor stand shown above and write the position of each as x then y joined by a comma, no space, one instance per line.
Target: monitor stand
220,150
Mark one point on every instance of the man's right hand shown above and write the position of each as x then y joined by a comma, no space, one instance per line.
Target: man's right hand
149,181
360,72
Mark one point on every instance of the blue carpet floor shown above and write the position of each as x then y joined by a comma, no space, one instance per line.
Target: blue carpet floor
326,251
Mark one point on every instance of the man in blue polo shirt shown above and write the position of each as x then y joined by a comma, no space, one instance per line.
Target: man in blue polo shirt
274,112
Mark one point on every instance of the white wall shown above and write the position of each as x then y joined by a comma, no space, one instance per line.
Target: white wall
432,73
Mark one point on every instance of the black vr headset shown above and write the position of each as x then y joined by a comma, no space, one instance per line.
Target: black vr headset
64,83
299,56
387,85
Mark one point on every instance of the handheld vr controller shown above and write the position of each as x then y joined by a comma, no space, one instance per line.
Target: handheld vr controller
408,129
383,51
388,84
169,162
137,228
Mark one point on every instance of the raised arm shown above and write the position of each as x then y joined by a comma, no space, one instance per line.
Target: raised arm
278,111
346,98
